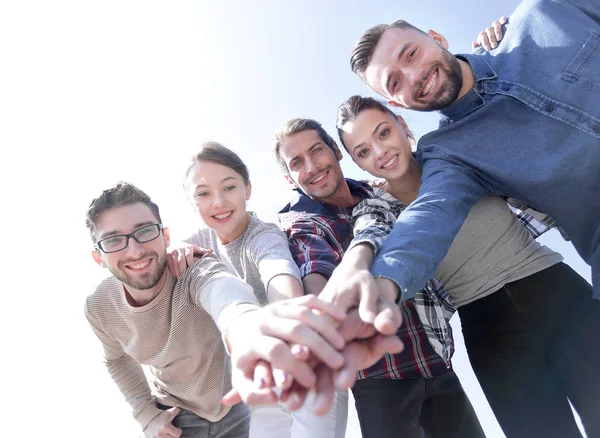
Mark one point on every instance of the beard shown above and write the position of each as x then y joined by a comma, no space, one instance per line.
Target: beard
448,92
146,281
326,192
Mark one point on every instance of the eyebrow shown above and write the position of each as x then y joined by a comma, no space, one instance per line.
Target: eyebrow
118,232
309,149
222,181
372,134
389,78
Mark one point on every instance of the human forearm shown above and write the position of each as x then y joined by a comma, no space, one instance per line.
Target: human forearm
425,230
314,283
282,287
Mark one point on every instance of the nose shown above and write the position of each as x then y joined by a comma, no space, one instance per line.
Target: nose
413,76
379,151
134,249
311,167
218,200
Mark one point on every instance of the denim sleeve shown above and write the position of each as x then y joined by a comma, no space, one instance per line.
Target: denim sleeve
425,230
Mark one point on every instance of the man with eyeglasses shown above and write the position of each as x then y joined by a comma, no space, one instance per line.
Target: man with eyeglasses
143,315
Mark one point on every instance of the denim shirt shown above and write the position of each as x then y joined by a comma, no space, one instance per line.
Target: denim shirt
529,129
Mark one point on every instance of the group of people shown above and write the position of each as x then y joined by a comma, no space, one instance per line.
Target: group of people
356,286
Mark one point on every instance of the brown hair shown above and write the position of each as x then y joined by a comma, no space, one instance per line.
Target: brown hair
217,153
352,107
295,126
123,193
365,46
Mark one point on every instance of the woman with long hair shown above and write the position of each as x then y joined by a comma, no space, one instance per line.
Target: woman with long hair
526,316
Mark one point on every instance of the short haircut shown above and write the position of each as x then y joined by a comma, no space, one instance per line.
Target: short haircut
352,107
366,44
217,153
123,193
294,126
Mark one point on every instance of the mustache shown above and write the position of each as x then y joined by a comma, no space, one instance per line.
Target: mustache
137,259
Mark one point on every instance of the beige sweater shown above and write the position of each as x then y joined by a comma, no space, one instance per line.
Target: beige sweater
176,335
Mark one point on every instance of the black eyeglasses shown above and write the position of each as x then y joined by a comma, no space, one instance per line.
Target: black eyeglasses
119,242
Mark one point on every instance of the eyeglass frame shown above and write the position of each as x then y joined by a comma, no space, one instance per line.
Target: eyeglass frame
131,235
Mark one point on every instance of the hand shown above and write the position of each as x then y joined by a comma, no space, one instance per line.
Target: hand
161,426
491,36
260,334
181,255
353,285
365,346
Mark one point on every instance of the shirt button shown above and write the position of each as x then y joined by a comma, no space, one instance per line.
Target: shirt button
505,87
597,129
549,107
490,74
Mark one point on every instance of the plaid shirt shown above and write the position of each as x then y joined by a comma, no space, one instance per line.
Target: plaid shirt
320,234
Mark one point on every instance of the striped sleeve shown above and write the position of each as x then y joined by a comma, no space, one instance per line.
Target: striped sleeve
125,371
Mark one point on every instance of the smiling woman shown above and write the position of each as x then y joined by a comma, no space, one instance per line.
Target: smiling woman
218,186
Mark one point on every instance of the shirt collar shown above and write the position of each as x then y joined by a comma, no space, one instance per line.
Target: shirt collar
301,203
472,100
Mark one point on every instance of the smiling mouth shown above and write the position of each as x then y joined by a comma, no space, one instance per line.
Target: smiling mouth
319,178
223,216
390,162
430,84
138,266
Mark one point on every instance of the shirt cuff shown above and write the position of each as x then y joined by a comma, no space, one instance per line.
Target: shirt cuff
392,270
148,414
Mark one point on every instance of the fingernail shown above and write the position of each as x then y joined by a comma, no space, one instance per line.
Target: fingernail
262,383
297,349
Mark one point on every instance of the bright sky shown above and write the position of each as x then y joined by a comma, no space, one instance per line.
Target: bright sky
96,92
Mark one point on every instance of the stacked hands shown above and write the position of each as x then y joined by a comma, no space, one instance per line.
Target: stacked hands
284,350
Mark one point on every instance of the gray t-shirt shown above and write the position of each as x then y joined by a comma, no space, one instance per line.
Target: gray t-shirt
257,256
491,249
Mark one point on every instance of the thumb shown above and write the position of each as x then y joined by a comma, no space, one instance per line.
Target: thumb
474,45
231,398
173,413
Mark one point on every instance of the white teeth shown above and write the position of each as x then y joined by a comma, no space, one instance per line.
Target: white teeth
319,179
389,163
141,265
430,84
223,216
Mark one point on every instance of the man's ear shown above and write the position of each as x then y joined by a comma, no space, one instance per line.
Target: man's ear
248,190
291,181
438,38
167,235
98,258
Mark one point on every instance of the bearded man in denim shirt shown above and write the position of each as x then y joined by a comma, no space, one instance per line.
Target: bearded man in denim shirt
520,121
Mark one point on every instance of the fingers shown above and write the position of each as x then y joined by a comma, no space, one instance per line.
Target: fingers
199,251
300,331
279,355
497,31
172,413
172,431
263,377
389,317
367,307
294,397
188,255
282,379
231,398
362,354
324,390
483,40
314,303
320,324
300,352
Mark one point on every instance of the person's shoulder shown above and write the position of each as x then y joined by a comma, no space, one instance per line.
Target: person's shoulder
257,228
201,237
204,268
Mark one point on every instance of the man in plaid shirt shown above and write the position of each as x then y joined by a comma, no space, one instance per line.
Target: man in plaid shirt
330,217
